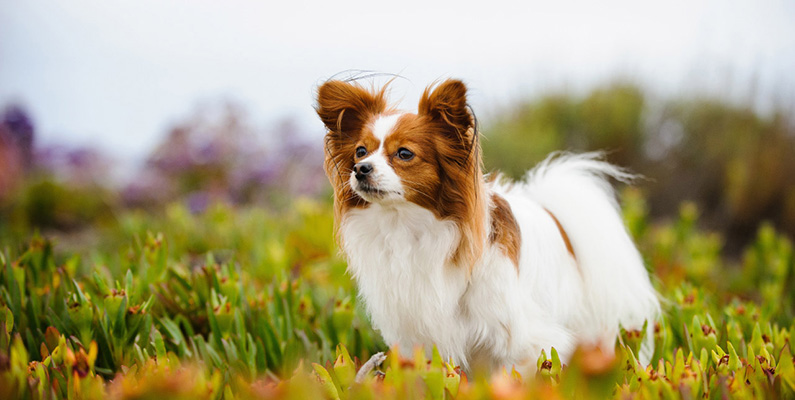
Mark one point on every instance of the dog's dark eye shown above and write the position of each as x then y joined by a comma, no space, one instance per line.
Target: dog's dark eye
405,154
361,152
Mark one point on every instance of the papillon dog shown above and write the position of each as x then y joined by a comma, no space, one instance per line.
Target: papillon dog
491,272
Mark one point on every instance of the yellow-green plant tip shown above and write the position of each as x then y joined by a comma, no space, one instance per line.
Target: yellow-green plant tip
556,364
345,370
541,359
734,361
326,383
436,358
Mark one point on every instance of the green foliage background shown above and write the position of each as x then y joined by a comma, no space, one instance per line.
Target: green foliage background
734,162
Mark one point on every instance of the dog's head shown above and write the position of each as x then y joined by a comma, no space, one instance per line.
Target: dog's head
376,154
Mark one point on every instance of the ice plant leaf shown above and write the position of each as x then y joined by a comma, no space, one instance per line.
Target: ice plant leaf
786,370
344,367
734,361
325,381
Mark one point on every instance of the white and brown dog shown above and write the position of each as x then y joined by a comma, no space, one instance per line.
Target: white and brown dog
489,272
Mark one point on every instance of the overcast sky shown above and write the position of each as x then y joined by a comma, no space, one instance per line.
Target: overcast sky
116,74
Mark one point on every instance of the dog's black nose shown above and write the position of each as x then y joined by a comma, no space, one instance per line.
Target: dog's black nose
362,170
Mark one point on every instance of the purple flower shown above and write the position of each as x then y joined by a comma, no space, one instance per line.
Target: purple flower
19,126
198,201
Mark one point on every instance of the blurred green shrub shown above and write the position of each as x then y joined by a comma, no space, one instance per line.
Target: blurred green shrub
734,163
608,119
47,204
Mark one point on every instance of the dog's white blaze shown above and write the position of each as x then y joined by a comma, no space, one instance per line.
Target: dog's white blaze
383,126
383,176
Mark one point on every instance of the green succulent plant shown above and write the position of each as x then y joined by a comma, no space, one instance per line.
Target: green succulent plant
212,307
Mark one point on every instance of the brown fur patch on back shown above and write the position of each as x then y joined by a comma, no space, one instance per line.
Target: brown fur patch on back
563,234
504,229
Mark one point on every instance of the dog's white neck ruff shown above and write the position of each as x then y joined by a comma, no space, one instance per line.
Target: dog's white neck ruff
398,255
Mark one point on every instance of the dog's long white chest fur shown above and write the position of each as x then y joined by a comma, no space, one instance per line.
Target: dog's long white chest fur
397,254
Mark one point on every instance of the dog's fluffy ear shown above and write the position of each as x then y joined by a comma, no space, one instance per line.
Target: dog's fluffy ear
447,104
344,107
461,193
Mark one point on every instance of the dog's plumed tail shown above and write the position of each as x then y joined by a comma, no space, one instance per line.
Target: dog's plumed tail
576,191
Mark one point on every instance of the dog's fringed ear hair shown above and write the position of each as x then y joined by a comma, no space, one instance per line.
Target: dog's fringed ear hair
344,107
461,195
447,104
